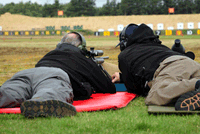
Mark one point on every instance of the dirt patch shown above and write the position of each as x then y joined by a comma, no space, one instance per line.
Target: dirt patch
16,22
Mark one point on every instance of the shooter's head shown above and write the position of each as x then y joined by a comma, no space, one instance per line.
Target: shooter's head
125,35
74,38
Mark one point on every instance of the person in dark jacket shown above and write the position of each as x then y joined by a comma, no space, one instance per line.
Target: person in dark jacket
58,78
150,69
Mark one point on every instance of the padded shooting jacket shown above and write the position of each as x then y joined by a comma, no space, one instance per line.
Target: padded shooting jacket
85,75
140,59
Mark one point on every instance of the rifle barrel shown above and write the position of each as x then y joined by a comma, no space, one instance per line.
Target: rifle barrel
107,57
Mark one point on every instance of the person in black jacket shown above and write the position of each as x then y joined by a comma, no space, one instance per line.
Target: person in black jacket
150,69
59,77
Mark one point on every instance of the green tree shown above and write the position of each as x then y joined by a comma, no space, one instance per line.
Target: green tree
55,7
65,7
185,6
197,3
37,9
89,8
113,6
9,7
81,8
119,9
1,9
153,6
47,10
1,5
125,7
106,9
74,8
137,7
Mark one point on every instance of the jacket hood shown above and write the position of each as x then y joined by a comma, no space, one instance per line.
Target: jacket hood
66,47
143,34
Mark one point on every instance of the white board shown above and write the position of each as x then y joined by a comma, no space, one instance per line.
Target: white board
190,25
180,26
189,32
120,27
160,26
199,25
101,30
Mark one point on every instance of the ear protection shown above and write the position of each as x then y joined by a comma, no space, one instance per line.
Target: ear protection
125,35
82,46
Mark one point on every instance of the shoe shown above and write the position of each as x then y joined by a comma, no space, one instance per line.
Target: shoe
189,101
48,108
197,85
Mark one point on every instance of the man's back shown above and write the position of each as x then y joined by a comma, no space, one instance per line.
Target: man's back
80,69
142,56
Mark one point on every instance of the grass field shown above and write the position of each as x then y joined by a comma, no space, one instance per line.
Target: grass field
22,53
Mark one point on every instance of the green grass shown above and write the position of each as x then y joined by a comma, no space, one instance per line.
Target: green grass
133,119
181,37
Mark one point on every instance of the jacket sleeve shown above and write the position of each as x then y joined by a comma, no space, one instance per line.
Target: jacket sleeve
99,80
127,76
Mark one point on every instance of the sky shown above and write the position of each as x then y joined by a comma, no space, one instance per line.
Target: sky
99,3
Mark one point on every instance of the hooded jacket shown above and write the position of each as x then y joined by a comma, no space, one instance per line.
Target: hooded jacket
140,59
85,75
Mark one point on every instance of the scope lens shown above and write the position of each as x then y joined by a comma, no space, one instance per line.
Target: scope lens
98,52
99,60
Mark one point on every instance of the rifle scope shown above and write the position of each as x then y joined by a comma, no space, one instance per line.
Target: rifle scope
96,52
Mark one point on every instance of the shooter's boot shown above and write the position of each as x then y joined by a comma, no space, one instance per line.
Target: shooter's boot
45,108
189,101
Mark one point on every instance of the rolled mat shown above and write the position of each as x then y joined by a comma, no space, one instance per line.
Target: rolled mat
98,101
152,109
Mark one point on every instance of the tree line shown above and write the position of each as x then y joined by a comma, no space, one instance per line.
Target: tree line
111,8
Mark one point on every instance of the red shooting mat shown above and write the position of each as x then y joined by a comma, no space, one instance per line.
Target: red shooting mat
98,101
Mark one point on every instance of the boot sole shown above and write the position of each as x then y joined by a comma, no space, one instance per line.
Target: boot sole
188,103
55,108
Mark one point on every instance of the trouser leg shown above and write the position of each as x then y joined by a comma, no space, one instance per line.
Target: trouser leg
55,85
54,89
16,90
172,79
52,94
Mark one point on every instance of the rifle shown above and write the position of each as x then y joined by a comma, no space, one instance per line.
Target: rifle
93,53
99,60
